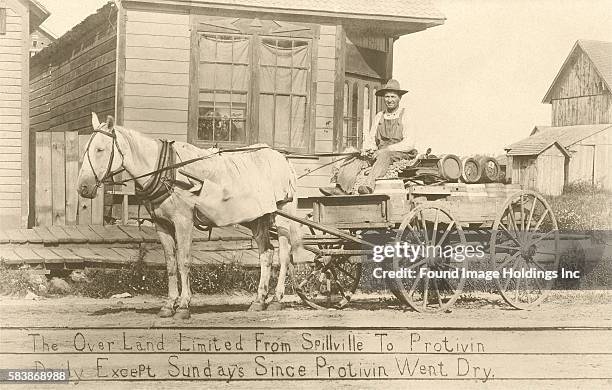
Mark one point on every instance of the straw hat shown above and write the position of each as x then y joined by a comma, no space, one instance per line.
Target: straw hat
391,86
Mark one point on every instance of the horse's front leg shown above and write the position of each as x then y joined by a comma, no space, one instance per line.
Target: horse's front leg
183,231
166,238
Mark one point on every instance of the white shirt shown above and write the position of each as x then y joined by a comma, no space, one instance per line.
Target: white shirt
406,144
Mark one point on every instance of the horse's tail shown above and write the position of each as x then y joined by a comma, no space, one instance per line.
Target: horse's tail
295,231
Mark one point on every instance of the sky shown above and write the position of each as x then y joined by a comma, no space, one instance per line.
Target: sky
477,81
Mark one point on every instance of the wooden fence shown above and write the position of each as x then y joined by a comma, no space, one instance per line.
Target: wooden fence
68,81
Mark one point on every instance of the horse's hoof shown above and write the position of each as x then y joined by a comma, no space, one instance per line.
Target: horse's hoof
275,306
257,306
182,314
165,312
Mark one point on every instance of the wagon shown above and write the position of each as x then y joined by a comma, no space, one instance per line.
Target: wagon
516,230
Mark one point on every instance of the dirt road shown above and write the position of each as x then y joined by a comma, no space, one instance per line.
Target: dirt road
566,343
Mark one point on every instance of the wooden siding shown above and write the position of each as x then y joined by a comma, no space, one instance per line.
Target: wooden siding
156,79
550,171
63,95
579,96
590,160
13,108
582,110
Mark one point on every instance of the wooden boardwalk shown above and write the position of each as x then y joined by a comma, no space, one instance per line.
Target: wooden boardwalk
79,246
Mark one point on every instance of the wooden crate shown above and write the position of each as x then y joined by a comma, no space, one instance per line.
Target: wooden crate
351,211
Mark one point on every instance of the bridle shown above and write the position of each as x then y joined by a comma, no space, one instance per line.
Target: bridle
109,174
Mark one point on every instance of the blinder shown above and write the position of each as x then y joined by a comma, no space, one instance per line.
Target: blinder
109,173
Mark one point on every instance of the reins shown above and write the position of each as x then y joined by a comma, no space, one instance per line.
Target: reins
113,135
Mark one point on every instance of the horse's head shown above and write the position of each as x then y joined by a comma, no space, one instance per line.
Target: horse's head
102,159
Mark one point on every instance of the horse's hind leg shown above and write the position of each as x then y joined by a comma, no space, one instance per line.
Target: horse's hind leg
261,233
284,256
287,234
167,240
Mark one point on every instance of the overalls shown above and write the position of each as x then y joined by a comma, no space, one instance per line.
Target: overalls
388,132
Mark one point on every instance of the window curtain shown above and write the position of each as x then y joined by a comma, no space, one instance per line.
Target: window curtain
283,90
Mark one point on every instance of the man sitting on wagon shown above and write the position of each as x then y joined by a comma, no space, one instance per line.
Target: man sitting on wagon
390,139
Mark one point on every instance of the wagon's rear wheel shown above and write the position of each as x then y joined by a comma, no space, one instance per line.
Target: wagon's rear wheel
329,282
525,249
438,233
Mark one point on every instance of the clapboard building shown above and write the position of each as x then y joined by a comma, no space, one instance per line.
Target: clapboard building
18,18
298,75
576,148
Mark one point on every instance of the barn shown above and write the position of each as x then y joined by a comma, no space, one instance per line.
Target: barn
576,148
298,75
18,18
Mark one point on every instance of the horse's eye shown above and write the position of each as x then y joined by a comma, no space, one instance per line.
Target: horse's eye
98,149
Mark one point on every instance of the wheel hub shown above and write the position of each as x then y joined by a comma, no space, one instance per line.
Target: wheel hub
529,251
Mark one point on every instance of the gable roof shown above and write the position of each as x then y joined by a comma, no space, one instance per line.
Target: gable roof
544,136
415,11
600,54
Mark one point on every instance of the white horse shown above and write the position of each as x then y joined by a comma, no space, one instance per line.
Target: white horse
176,205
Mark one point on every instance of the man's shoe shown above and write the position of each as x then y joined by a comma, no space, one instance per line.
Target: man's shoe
364,190
328,191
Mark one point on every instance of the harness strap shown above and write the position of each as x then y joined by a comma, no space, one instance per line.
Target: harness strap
161,185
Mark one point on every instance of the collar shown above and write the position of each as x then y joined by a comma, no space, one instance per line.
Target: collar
393,115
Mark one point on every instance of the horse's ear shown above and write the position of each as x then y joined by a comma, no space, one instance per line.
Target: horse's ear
110,122
95,122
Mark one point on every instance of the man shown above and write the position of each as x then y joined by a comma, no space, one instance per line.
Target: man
390,139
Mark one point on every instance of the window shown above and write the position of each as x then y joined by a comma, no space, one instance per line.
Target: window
254,84
283,92
360,106
224,84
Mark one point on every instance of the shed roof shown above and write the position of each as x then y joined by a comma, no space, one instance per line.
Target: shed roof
544,136
422,11
600,54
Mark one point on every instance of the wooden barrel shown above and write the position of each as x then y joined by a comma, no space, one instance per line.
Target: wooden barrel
449,167
470,170
490,169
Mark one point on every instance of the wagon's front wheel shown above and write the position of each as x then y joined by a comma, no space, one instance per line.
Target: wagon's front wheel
329,282
432,271
525,249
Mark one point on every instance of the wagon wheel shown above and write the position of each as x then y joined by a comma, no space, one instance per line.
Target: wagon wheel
525,237
430,225
329,282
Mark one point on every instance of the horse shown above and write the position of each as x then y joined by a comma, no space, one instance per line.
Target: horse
177,200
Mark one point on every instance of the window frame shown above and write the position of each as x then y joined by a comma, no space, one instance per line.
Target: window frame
257,30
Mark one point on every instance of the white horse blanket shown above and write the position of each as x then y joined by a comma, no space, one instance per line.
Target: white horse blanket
238,187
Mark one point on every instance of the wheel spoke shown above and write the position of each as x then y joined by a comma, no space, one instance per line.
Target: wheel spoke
345,272
505,263
522,213
448,228
501,225
416,264
542,237
512,220
516,286
413,287
425,291
424,225
508,247
435,229
531,213
340,287
435,283
537,226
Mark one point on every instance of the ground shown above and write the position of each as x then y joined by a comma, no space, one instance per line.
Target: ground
546,328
